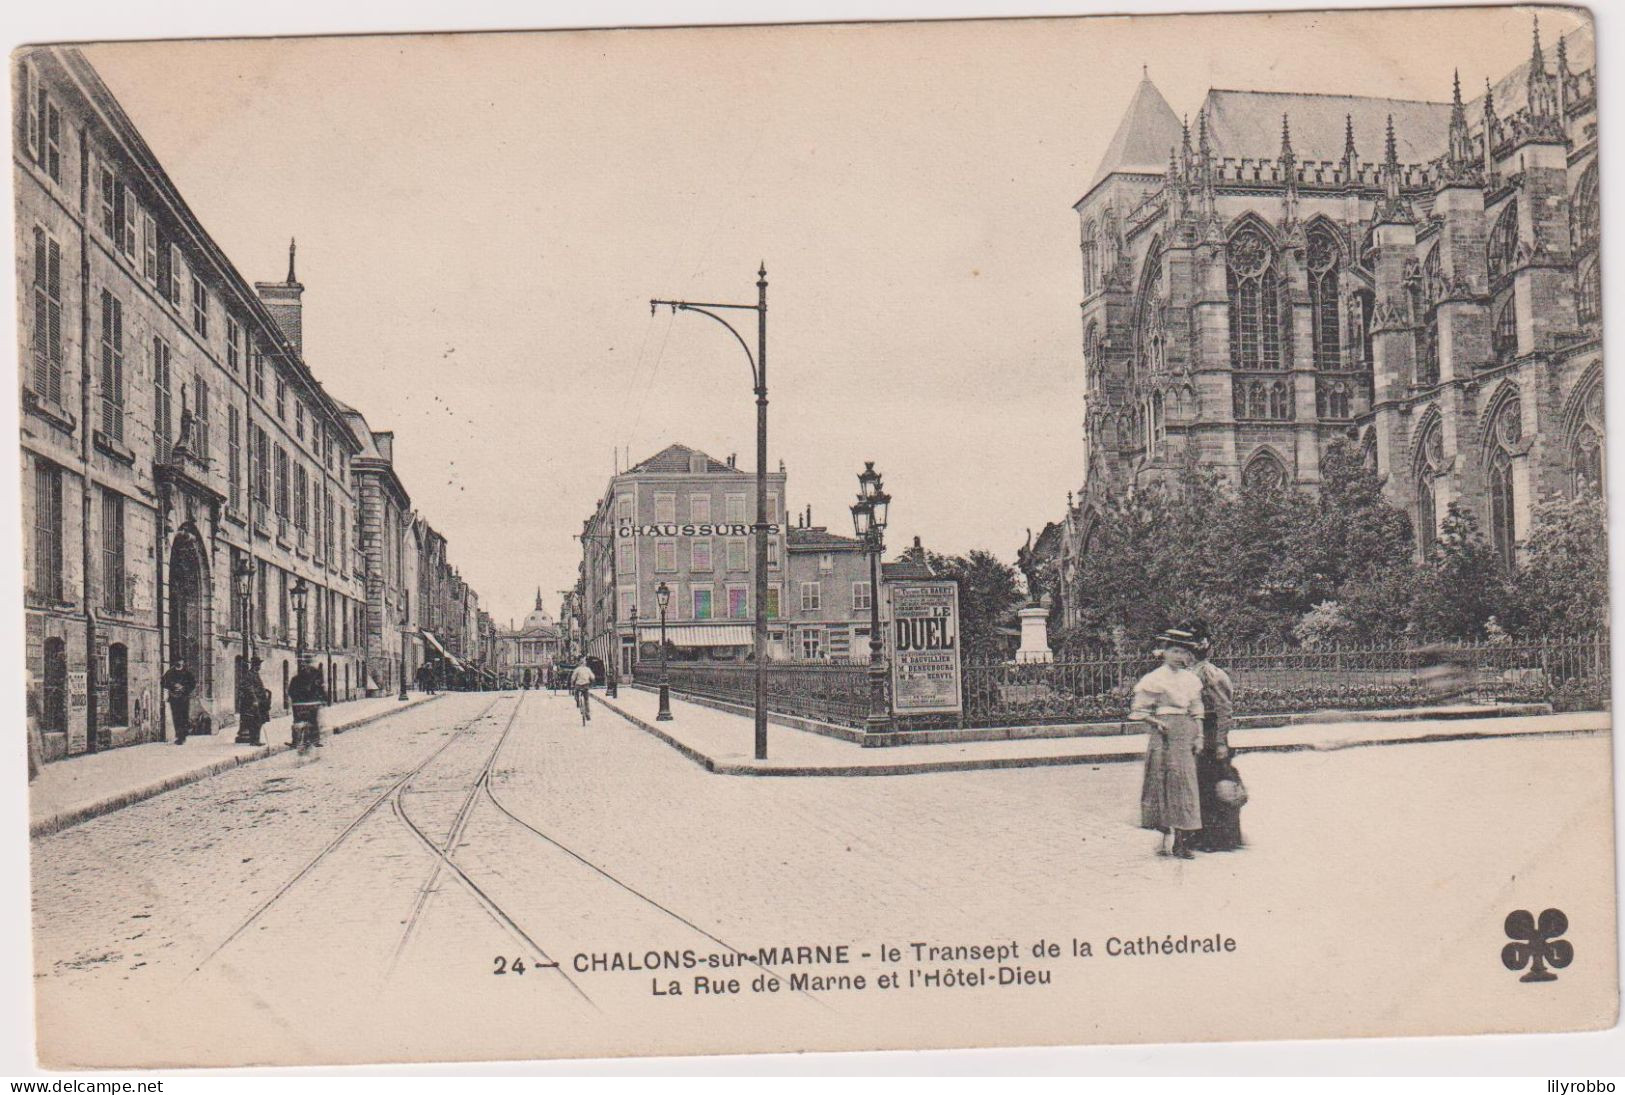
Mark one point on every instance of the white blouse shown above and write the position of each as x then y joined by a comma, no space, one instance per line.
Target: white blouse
1167,691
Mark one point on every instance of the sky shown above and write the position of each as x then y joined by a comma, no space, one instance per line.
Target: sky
483,218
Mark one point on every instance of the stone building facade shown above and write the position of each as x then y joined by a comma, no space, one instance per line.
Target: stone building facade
692,511
171,433
1418,277
184,473
382,535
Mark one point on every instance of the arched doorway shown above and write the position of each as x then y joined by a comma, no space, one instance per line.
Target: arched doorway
186,604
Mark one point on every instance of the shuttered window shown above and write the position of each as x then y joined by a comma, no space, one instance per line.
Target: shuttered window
112,366
47,317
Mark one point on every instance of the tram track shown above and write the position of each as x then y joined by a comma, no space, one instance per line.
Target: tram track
396,796
344,834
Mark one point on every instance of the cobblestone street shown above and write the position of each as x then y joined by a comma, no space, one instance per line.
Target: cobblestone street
291,910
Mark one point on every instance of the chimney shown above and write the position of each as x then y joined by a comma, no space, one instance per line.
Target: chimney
809,515
281,299
731,457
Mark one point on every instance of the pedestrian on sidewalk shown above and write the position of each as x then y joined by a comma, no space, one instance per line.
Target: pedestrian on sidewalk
178,684
426,678
253,705
1169,701
307,694
1221,791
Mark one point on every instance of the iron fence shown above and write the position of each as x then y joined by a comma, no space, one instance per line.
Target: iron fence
836,692
1570,672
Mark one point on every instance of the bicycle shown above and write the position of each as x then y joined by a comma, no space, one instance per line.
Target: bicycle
583,704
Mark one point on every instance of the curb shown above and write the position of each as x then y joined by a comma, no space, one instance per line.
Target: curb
67,819
728,768
1049,731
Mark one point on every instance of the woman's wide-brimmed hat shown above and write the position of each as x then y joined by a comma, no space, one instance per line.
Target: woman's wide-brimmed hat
1178,636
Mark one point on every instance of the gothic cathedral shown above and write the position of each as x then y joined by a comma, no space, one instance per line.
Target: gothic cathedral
1257,288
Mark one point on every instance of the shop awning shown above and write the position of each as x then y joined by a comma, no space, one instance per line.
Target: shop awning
428,637
700,634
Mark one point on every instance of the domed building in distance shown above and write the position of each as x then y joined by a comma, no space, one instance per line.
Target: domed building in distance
525,654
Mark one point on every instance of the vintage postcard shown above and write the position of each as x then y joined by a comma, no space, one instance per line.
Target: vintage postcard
827,537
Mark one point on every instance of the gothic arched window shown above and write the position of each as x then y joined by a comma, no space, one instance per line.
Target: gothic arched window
1324,256
1503,245
1504,335
1333,399
1255,328
1092,365
1361,306
1159,425
1584,223
1264,472
1429,465
1278,400
1586,465
1149,336
1091,257
1506,431
1588,299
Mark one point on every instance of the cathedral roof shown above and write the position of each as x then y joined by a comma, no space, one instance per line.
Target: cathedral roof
1247,124
1148,131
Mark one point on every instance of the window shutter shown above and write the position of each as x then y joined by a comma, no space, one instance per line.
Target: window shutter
55,294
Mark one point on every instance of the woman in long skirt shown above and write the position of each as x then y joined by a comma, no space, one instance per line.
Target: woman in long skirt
1221,819
1169,701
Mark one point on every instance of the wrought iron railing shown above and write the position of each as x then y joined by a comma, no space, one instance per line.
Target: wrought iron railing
1570,672
836,692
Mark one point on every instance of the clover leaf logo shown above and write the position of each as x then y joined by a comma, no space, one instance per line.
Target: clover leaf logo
1537,945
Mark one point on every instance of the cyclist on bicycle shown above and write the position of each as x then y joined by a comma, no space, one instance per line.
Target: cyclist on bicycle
581,680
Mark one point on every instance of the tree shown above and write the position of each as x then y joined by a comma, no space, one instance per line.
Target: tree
989,594
1461,584
1562,581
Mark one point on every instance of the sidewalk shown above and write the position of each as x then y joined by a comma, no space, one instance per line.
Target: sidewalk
724,743
77,789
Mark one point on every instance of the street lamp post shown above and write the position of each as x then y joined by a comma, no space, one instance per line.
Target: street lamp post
243,575
869,515
663,598
406,637
758,370
298,594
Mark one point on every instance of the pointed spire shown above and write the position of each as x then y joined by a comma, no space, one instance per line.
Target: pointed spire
538,598
1288,163
1459,157
1351,158
1562,56
293,246
1393,209
1544,108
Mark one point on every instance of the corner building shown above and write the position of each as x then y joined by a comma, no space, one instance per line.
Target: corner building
1291,269
683,508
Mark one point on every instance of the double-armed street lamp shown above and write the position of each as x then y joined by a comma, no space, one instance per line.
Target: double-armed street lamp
869,514
663,598
758,372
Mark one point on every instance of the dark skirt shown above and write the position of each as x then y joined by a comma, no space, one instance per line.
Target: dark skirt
1221,821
